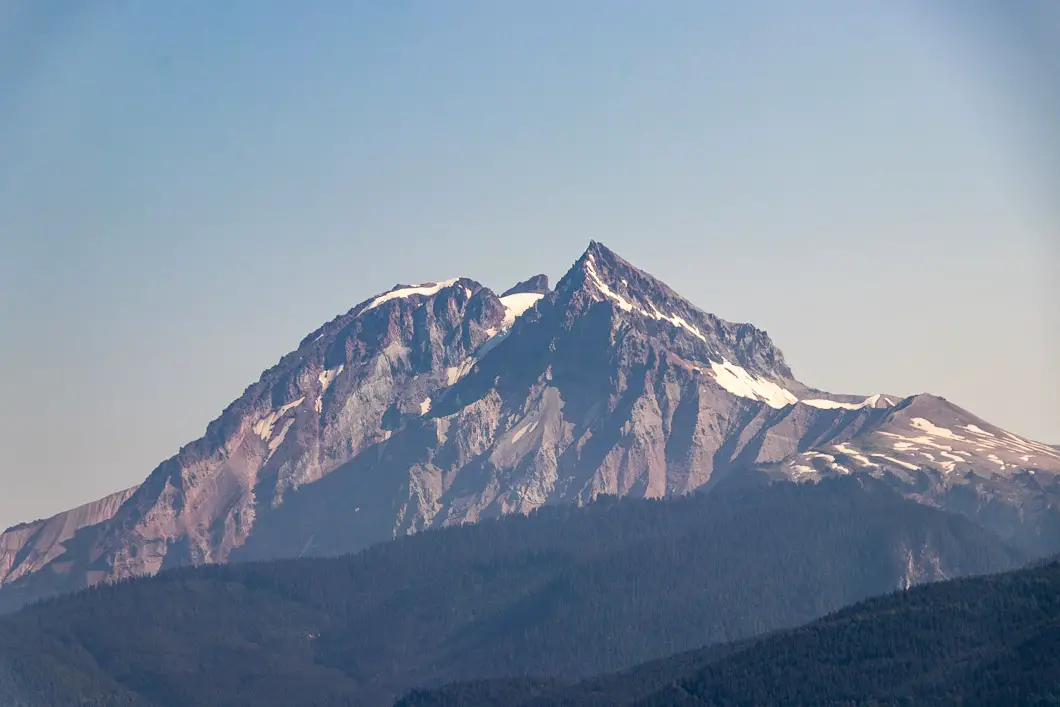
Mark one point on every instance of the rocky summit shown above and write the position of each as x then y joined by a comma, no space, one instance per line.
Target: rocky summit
444,403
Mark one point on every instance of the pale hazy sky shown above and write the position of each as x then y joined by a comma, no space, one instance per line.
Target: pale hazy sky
188,188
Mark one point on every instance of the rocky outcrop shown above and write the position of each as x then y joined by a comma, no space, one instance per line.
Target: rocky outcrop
27,547
537,284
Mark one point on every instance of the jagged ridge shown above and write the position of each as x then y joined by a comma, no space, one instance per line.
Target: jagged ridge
443,403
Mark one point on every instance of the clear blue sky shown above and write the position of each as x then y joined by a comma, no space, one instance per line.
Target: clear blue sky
188,188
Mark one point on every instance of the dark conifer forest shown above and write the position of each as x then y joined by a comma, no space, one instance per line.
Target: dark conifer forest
991,640
548,600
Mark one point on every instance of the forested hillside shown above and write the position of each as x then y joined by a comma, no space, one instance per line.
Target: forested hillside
991,640
565,593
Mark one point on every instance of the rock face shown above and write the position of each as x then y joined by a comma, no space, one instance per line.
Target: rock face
443,403
939,454
27,547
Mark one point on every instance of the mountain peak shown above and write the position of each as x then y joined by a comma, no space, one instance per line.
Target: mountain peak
748,363
599,253
606,275
601,275
538,284
597,248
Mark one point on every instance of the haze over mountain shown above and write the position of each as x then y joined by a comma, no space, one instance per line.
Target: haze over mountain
442,403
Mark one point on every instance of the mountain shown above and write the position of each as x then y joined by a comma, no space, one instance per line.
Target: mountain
27,547
944,456
979,641
442,403
565,592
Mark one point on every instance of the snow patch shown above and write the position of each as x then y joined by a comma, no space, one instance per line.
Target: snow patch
832,404
627,306
869,402
739,382
1017,446
946,466
325,378
982,441
1032,446
854,454
673,320
455,373
496,338
907,465
919,440
516,305
427,290
263,427
523,430
276,441
291,405
932,429
679,322
425,406
590,269
832,463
